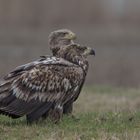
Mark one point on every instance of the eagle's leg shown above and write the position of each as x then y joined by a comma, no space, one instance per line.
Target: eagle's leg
56,114
68,107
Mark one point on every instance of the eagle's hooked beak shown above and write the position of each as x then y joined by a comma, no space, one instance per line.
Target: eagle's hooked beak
90,51
71,36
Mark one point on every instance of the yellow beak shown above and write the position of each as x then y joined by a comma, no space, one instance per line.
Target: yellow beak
70,36
89,51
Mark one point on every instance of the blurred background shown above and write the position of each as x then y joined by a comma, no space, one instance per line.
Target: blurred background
112,27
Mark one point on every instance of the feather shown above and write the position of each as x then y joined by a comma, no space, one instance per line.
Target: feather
36,114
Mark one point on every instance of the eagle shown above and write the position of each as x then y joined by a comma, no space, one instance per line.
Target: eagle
48,85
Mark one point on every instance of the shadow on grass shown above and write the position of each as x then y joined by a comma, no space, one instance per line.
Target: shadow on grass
7,121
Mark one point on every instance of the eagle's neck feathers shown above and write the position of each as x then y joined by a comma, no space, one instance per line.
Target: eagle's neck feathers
74,58
56,45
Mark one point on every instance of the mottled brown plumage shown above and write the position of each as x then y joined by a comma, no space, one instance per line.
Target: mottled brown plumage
46,85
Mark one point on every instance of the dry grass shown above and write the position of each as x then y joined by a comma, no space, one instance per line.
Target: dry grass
108,99
104,113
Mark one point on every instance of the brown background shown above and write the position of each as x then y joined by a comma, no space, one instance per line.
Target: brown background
112,27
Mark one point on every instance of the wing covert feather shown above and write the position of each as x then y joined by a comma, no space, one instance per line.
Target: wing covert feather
46,83
46,79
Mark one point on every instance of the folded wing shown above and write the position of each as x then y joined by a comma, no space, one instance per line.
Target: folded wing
37,86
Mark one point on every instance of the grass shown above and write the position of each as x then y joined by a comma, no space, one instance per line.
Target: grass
104,113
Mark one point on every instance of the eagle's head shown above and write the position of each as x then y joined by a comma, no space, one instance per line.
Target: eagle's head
75,50
59,38
76,53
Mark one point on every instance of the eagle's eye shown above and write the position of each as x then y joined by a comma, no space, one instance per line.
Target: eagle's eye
64,33
82,48
61,35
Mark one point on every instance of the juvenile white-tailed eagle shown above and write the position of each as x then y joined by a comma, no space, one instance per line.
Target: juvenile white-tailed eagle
47,84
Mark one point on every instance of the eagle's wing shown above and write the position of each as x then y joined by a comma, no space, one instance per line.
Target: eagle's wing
37,85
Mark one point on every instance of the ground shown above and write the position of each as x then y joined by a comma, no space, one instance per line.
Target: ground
103,113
